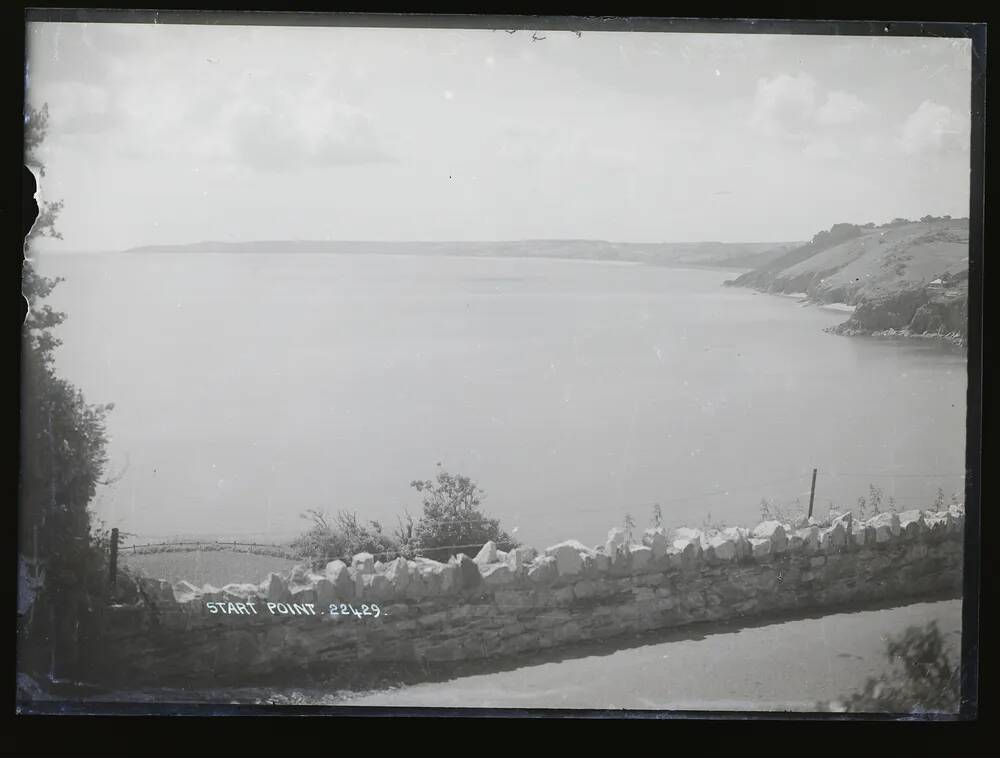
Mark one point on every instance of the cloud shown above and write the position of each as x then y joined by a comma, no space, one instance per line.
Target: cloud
934,128
82,109
841,108
785,105
823,149
793,107
288,134
556,148
260,123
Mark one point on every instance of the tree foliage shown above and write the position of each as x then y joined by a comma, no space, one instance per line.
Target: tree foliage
923,679
837,233
341,537
452,521
63,441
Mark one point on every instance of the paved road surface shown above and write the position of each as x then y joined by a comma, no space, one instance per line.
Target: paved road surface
783,666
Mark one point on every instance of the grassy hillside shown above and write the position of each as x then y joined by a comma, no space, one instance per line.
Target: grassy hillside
889,273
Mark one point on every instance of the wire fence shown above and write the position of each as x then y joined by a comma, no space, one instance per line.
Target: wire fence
286,550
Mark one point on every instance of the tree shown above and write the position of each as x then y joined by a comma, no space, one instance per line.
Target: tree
452,521
923,679
63,443
838,233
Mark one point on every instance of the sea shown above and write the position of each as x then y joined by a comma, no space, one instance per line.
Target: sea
251,388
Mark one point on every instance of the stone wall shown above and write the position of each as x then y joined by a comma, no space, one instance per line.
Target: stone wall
508,603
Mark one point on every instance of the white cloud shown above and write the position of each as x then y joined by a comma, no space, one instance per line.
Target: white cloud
81,109
793,107
288,134
841,108
784,105
823,149
262,123
934,128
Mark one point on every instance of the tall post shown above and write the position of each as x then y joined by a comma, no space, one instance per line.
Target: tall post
113,564
812,494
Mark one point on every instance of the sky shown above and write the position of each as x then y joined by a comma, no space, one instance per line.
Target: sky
169,134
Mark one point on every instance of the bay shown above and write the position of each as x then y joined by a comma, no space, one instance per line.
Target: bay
249,388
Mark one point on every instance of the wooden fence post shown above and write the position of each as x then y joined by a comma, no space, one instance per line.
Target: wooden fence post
812,494
113,564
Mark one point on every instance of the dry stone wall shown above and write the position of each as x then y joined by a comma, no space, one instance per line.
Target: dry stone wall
498,603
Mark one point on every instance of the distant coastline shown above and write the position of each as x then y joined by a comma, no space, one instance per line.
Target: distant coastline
737,256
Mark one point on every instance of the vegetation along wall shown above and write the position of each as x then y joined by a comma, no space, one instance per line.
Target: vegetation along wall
499,603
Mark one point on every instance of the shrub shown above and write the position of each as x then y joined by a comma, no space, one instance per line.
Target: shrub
61,553
771,511
629,527
711,526
923,679
452,521
657,518
344,537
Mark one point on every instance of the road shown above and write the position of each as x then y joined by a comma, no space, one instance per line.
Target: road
786,665
783,666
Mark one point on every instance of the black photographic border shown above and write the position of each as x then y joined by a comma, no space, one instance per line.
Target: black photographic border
826,25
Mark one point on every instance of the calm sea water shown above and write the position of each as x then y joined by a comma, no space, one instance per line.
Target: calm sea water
249,388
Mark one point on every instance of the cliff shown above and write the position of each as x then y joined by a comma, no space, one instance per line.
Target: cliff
904,278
